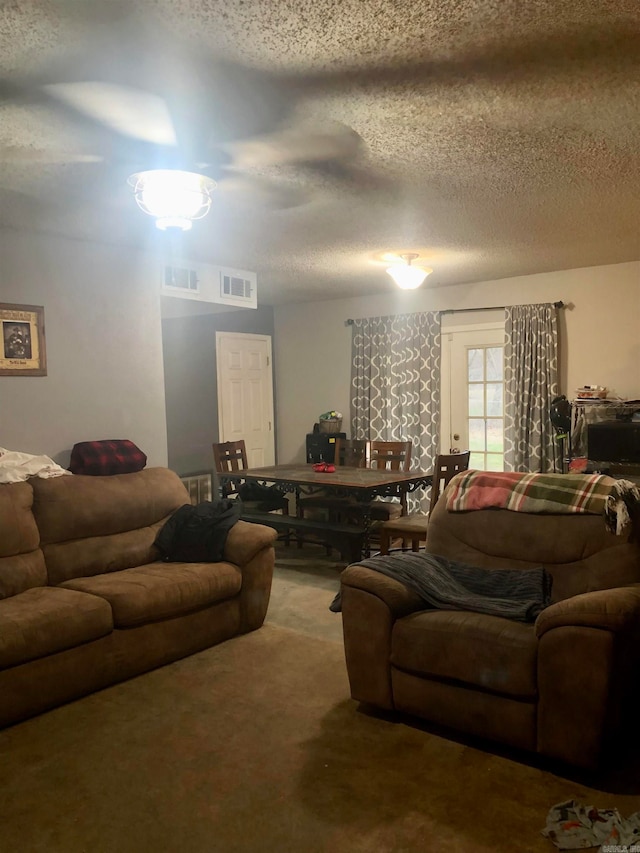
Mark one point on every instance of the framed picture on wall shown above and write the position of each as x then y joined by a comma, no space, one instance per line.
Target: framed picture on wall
22,343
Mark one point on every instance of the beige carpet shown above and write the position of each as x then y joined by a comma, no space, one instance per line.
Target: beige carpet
255,745
304,584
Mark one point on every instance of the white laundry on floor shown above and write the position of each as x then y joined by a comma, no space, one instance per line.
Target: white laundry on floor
574,826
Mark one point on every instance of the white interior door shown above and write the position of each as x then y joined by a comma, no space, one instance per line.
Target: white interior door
245,394
473,394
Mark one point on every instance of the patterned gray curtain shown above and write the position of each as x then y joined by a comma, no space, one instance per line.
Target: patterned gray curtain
531,383
395,382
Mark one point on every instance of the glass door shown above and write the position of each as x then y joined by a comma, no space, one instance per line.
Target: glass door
473,395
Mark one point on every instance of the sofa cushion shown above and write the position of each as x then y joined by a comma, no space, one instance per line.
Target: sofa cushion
46,620
161,590
97,555
21,560
485,651
577,550
90,525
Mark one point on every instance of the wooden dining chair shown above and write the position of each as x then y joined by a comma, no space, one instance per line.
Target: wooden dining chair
231,456
413,528
392,455
353,452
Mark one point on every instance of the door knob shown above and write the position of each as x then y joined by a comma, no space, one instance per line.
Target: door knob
456,436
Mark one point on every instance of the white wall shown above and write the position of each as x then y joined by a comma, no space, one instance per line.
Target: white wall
600,338
104,347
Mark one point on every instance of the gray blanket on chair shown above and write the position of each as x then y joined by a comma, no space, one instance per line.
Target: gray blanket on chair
444,584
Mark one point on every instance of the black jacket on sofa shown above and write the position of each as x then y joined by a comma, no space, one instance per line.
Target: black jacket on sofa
197,534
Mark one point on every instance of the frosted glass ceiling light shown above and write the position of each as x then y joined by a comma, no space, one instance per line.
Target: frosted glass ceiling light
172,197
406,276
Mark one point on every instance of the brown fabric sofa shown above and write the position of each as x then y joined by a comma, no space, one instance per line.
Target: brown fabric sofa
556,687
84,599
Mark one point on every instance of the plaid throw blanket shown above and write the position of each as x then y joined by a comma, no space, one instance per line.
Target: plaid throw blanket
594,494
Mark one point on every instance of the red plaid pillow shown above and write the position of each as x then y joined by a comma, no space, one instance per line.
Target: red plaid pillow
100,458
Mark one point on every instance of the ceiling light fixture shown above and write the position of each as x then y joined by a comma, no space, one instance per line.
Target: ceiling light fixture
172,197
406,276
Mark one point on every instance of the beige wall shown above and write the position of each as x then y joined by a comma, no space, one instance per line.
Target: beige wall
600,338
104,347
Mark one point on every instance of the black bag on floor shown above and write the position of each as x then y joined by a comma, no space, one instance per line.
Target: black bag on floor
269,497
257,492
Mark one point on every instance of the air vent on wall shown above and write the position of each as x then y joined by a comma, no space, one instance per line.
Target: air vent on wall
238,288
181,278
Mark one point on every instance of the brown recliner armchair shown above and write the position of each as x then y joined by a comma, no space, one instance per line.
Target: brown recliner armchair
556,687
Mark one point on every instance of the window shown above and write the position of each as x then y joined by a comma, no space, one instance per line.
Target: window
485,407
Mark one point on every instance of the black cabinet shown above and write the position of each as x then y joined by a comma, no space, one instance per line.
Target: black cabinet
321,446
614,441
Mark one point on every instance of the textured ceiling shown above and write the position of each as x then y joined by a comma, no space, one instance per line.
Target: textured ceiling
494,138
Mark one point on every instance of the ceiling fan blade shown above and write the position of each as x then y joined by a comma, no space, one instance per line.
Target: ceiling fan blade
128,111
334,141
548,52
18,154
146,85
252,191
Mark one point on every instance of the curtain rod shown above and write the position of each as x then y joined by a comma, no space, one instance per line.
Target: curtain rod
559,304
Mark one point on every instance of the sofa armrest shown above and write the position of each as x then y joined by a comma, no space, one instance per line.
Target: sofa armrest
250,546
616,610
398,598
371,603
588,656
245,540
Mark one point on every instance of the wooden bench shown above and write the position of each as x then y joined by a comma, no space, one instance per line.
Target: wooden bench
344,537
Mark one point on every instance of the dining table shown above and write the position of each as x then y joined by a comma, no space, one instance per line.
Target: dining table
363,485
